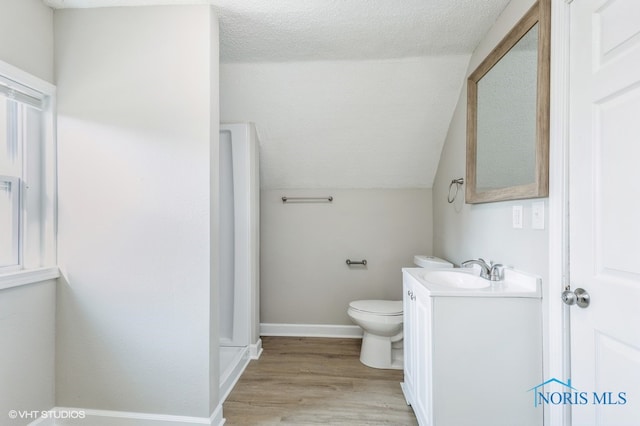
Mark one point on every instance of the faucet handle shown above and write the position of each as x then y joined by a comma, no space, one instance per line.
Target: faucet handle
496,273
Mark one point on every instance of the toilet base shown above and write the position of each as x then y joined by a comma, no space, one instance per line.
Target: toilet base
378,352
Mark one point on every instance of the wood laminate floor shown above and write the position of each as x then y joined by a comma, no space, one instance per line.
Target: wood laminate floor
311,381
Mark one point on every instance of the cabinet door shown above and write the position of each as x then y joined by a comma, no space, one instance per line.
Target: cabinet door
423,358
409,332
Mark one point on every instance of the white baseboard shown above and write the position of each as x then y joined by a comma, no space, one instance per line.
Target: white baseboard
255,349
230,377
63,416
311,330
216,418
43,421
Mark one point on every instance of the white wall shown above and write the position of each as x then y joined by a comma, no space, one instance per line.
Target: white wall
304,278
27,330
137,136
27,313
465,231
26,36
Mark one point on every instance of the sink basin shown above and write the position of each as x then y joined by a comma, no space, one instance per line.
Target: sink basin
466,282
457,278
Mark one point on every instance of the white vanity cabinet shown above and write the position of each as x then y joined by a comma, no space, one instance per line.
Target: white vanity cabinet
417,341
471,356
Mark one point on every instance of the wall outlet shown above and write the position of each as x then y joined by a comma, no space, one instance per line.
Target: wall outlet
517,217
537,215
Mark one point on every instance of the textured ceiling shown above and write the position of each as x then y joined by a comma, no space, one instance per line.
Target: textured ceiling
301,30
284,30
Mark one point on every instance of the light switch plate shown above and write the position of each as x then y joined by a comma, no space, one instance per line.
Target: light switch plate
517,217
537,215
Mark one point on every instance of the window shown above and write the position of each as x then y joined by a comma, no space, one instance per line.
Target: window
26,172
9,221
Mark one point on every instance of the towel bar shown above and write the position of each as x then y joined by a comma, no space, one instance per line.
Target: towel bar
307,199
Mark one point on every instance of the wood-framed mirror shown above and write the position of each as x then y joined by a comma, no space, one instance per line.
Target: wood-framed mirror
508,114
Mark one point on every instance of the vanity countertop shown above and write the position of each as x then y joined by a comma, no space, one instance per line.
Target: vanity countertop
463,282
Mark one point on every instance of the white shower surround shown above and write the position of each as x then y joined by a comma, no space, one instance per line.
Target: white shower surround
239,251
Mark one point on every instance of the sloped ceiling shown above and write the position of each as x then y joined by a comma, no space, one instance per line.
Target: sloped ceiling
346,124
345,94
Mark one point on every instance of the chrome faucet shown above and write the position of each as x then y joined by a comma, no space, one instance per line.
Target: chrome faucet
490,271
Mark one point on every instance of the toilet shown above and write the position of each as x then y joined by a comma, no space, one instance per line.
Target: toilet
381,322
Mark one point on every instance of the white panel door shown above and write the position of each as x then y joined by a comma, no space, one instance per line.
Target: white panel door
605,210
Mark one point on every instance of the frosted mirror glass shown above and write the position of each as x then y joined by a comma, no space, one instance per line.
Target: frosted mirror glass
506,129
508,115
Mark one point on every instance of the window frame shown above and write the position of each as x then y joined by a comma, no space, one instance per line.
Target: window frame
37,206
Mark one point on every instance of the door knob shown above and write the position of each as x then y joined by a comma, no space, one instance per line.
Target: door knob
579,297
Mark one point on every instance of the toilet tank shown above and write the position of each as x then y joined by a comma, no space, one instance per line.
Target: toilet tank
431,262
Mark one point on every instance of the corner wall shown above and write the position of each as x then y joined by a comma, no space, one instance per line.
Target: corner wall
137,137
466,231
214,215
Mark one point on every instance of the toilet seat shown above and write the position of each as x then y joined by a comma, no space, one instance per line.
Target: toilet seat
378,307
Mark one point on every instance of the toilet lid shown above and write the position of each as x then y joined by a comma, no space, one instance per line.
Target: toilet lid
379,307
